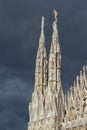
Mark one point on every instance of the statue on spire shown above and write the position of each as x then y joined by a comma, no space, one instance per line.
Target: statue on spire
42,23
56,19
42,37
55,14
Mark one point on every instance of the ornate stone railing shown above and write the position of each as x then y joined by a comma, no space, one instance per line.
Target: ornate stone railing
74,124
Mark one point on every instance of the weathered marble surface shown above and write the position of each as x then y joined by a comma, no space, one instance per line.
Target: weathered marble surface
49,108
46,99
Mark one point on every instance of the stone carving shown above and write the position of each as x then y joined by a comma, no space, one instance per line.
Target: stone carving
50,109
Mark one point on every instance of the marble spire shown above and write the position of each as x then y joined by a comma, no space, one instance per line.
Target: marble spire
55,55
48,109
54,94
36,107
41,62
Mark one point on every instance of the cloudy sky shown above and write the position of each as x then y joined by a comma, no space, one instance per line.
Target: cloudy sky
19,35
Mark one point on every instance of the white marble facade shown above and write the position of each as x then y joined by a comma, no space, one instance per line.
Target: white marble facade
49,108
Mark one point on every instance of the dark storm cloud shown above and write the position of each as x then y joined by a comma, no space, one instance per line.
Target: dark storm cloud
19,36
14,98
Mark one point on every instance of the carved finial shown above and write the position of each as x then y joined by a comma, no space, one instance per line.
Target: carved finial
71,91
77,80
55,14
42,37
80,73
42,23
84,70
81,76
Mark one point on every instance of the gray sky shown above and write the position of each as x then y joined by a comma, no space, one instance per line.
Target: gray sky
19,35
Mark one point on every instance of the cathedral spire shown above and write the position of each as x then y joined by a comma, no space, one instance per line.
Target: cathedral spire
41,61
55,55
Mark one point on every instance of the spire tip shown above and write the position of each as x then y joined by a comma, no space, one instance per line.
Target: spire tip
42,23
55,14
